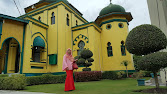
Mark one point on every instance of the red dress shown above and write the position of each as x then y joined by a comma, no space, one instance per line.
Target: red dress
69,83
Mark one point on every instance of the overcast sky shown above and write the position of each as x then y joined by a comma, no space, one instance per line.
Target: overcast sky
89,8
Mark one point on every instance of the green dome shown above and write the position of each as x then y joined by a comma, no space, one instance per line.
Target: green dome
111,8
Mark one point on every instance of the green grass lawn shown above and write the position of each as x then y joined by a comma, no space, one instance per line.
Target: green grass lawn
125,86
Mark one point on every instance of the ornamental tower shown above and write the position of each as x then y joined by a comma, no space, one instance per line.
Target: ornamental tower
114,21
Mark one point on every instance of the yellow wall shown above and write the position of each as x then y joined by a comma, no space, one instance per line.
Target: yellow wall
31,29
14,32
115,35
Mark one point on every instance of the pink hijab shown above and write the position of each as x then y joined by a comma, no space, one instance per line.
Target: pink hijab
67,63
69,56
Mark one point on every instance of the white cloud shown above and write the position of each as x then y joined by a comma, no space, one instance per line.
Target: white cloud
89,8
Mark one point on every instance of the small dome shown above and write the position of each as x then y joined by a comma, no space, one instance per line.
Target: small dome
111,8
38,41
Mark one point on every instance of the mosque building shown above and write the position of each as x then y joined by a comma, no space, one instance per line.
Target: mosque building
35,43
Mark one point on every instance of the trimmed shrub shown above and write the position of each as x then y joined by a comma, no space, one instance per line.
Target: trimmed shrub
86,76
86,53
85,59
110,75
15,82
153,62
4,75
145,39
46,79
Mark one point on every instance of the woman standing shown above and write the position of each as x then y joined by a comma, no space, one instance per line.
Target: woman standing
67,66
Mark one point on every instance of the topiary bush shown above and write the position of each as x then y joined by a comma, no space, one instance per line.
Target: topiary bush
145,37
45,79
86,76
85,59
15,82
147,40
153,62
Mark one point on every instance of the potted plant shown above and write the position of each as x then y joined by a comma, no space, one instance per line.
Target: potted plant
139,76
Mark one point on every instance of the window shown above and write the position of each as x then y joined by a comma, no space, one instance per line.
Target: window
108,26
109,49
123,48
39,18
76,23
68,20
121,25
36,53
53,18
81,46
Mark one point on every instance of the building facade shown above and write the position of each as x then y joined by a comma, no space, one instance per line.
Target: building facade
158,16
38,40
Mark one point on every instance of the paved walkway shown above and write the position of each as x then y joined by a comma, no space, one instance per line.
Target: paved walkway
151,82
19,92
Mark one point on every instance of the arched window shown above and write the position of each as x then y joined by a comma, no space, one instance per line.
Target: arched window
109,49
81,46
53,18
68,20
123,48
76,22
38,49
39,18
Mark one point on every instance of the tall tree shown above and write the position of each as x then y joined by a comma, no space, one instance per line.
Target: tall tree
146,40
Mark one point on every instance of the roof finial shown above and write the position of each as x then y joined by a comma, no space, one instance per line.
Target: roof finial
110,1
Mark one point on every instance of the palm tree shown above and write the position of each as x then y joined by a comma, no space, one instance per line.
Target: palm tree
126,63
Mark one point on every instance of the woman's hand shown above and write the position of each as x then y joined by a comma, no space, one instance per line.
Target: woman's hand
67,68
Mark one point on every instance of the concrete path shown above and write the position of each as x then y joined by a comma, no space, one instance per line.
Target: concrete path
19,92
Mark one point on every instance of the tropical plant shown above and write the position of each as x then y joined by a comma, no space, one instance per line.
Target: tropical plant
125,63
85,59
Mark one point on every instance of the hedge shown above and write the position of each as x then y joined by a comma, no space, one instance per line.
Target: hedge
110,75
15,82
4,75
88,76
45,79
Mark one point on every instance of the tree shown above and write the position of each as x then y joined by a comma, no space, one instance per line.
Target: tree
85,59
126,63
146,40
153,62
